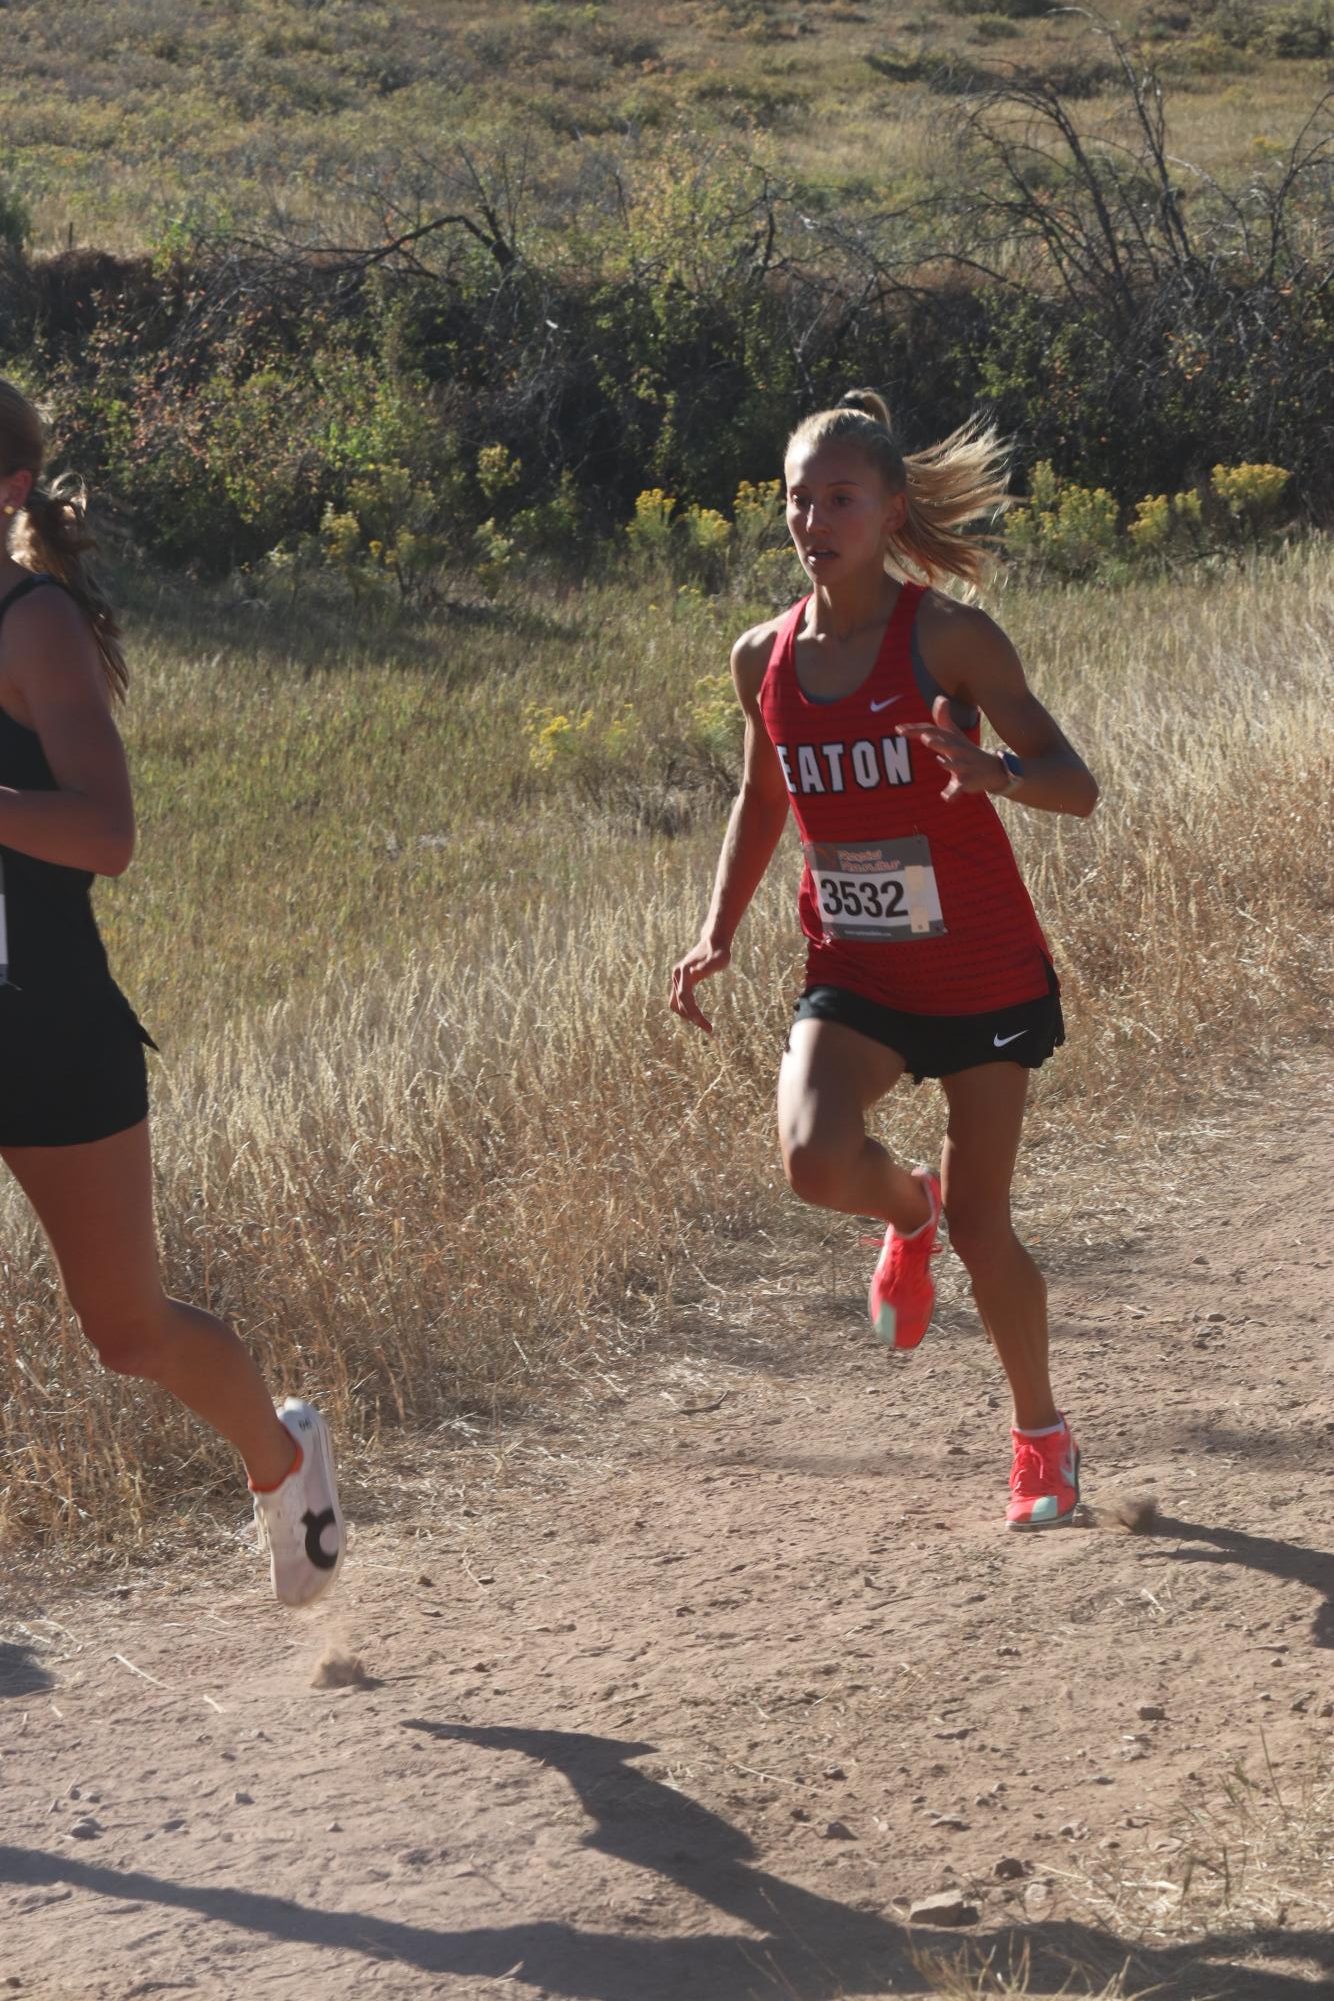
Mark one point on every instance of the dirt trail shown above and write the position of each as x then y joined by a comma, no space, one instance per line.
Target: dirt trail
697,1700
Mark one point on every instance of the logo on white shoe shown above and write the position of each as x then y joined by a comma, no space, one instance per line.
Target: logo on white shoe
315,1525
876,707
999,1041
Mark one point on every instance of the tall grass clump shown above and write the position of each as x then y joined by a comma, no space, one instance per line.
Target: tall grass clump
424,1125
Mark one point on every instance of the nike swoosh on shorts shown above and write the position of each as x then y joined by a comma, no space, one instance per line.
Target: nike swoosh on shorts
999,1041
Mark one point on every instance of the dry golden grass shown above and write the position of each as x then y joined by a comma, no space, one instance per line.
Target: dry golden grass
424,1125
1251,1857
967,1981
1245,1865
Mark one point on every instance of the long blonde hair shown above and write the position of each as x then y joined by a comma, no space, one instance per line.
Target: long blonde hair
51,534
963,479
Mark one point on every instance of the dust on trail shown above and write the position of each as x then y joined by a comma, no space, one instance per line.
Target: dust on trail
699,1693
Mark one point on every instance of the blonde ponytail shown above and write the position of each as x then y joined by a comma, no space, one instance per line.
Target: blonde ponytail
51,534
962,480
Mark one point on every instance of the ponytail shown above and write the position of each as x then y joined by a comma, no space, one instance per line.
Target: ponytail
963,479
51,534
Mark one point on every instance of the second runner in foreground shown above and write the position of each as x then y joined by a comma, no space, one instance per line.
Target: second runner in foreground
863,706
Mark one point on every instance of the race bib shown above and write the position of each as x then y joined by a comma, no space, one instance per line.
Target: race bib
884,891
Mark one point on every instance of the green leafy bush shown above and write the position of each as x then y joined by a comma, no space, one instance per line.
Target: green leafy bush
15,219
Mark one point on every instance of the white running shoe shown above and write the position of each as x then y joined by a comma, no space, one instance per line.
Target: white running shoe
301,1523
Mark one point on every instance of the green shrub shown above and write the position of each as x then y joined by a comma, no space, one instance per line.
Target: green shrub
1302,34
554,528
1012,10
1207,55
15,220
493,552
498,471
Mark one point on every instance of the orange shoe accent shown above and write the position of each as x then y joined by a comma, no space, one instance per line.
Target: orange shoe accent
295,1467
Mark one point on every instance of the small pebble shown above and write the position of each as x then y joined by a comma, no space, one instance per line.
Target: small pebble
243,1799
948,1908
86,1829
1038,1899
1151,1712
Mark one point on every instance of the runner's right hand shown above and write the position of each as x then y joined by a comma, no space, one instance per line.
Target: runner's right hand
700,963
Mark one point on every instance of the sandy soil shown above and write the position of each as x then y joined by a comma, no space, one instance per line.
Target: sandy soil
700,1690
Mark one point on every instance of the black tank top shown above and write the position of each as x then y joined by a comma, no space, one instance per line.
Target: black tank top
54,950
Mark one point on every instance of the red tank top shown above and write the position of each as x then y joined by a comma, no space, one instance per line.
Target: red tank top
906,899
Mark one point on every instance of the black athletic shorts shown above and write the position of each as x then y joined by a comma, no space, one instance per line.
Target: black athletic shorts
938,1045
72,1072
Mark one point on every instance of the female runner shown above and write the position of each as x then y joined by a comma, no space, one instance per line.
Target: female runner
924,953
73,1089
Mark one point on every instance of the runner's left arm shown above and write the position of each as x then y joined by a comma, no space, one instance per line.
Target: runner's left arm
977,666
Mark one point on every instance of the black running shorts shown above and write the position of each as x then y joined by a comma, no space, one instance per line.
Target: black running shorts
70,1073
940,1045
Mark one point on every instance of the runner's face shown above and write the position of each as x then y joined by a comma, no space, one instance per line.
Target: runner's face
839,513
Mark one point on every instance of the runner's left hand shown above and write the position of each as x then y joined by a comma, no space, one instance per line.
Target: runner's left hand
971,769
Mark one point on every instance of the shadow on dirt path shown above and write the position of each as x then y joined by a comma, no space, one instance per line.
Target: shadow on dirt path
21,1671
1266,1554
807,1947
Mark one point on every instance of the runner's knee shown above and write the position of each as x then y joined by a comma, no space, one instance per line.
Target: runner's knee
985,1242
129,1341
815,1171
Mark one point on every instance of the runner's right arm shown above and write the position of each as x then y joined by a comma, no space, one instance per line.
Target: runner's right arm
753,832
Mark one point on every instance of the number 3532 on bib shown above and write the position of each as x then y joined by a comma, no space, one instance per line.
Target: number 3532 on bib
881,891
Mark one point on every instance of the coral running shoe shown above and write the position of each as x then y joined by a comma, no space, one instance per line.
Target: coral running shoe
301,1523
903,1291
1044,1480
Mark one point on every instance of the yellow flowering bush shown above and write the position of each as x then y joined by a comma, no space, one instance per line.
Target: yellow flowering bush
1250,493
1166,524
715,718
497,471
1063,527
650,532
554,739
